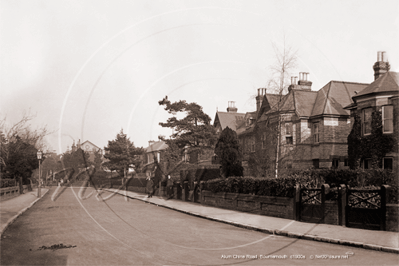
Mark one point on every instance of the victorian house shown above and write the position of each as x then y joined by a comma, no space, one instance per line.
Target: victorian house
381,97
303,128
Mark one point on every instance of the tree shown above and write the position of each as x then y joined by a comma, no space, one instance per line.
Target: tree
121,154
171,157
50,164
286,61
76,159
97,159
19,145
229,153
194,130
21,161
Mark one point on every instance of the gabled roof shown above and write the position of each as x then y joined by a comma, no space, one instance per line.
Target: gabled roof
91,143
157,146
334,96
229,119
243,126
304,102
389,82
269,100
297,100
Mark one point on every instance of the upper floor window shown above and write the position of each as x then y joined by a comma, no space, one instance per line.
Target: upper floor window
366,121
387,118
288,133
316,132
263,137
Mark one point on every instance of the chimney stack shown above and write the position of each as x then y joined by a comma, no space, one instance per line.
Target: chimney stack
304,83
259,98
232,108
150,142
381,66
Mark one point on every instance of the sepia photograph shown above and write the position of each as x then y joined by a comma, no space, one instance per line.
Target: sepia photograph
199,132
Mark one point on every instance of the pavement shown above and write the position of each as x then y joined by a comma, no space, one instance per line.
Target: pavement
10,209
368,239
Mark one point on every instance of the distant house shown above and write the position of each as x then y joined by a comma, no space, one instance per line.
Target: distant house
230,119
382,95
91,149
88,147
154,151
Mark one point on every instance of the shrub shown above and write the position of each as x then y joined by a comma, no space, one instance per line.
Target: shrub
285,186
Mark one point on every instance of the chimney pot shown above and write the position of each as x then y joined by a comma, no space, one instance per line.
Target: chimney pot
381,66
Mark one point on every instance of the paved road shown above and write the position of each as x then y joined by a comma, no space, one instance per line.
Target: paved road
69,231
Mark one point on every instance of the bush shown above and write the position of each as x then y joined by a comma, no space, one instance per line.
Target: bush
285,186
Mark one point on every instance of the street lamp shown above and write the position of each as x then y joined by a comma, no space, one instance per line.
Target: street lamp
39,157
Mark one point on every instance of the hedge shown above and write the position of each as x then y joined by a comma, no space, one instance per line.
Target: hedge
284,186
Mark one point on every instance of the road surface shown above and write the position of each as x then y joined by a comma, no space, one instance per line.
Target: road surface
74,231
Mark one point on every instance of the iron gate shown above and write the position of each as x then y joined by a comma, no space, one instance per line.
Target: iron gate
366,208
311,202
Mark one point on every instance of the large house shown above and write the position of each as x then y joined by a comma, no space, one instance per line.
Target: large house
306,128
381,97
303,128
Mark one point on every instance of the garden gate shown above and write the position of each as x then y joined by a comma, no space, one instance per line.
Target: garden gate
312,204
366,208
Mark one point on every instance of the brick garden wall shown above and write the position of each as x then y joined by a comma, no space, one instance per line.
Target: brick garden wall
392,218
281,207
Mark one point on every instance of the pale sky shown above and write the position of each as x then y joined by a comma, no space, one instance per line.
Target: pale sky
88,68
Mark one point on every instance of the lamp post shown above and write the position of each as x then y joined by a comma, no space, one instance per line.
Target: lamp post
39,157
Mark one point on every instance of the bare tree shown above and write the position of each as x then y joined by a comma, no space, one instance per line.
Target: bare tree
286,61
20,133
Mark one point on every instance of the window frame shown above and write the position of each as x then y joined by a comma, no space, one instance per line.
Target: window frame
335,160
364,122
384,119
289,139
368,160
263,139
316,133
316,163
383,162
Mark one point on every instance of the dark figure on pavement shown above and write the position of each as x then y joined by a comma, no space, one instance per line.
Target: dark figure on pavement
150,187
169,188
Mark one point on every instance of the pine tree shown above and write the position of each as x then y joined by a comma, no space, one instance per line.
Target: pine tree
193,132
121,154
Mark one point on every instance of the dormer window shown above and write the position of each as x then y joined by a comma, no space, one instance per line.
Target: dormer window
387,118
366,121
